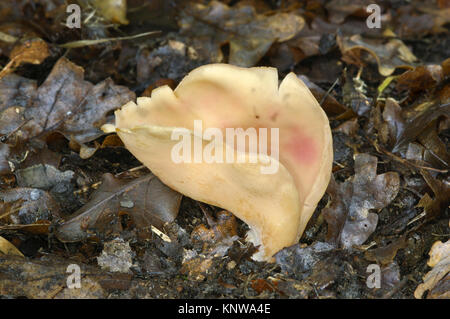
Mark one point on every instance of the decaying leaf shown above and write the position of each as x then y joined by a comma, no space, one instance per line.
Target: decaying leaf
297,259
4,154
197,268
390,53
385,255
420,78
340,9
32,51
64,102
23,206
434,207
217,239
330,105
437,280
47,278
348,215
393,119
145,200
41,176
67,103
16,91
116,256
249,34
349,127
420,122
422,18
8,249
171,61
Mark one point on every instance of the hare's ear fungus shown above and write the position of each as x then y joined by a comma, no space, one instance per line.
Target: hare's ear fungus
276,206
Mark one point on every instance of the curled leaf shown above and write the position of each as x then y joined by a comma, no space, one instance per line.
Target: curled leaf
249,34
145,200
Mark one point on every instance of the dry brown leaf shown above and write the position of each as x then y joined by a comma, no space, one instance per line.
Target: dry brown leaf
416,120
65,102
349,127
23,206
249,34
434,207
32,51
145,200
390,53
340,9
392,116
47,278
348,215
4,155
422,18
420,78
8,249
385,255
330,105
16,91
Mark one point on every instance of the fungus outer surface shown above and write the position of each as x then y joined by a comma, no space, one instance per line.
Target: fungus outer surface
276,206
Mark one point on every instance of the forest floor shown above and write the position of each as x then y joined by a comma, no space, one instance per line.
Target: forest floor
71,195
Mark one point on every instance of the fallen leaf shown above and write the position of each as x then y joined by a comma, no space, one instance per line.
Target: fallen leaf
219,237
65,103
197,268
390,53
392,116
32,51
4,155
417,120
420,78
421,18
341,9
434,207
23,206
8,249
170,61
16,91
349,127
116,256
47,278
249,34
41,176
385,255
348,215
41,227
297,259
145,200
261,285
330,105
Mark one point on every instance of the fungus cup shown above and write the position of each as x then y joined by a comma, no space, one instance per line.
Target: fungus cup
276,205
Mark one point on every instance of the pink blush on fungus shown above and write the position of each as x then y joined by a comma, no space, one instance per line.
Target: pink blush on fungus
302,148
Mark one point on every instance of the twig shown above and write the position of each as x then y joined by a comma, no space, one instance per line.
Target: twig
329,91
83,43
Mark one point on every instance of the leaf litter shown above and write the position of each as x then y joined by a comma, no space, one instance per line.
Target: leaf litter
385,91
